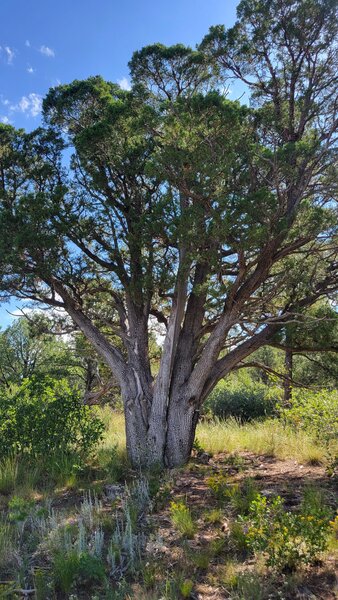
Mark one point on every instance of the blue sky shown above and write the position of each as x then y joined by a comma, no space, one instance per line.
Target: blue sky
47,42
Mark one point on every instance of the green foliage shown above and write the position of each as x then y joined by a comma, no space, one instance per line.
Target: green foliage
241,496
186,588
182,519
218,484
65,569
19,509
90,570
244,400
45,417
289,539
315,412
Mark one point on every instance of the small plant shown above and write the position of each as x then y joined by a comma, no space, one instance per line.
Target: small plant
19,509
236,461
241,496
214,516
65,569
288,539
218,484
8,474
186,588
197,447
182,519
334,528
43,584
6,544
90,570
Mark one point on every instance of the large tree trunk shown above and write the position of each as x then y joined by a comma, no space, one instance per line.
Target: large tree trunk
181,427
163,439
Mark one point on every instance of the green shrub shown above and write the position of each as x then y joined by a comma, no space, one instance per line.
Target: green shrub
46,416
288,539
90,570
243,400
19,509
315,412
65,570
218,484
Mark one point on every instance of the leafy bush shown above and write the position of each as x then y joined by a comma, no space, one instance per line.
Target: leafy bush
288,539
315,412
45,416
243,400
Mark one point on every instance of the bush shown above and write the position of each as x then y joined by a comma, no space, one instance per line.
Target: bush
243,400
315,412
288,539
45,416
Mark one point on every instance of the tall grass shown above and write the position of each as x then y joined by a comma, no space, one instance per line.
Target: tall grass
269,437
9,470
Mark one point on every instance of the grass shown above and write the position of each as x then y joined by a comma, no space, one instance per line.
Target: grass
260,437
9,469
268,437
182,519
55,494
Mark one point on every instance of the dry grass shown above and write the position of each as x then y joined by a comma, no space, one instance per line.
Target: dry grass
264,437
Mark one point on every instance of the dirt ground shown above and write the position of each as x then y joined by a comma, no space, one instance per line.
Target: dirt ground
273,477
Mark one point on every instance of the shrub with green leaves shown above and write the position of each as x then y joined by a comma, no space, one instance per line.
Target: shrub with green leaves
288,539
315,412
45,416
244,400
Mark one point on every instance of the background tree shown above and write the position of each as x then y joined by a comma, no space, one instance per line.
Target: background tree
214,218
24,353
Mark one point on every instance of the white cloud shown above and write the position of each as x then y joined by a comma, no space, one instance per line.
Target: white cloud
30,70
27,44
30,105
47,51
4,119
124,83
4,101
9,54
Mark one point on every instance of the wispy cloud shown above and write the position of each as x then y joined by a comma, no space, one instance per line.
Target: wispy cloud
4,119
27,44
8,53
30,70
30,105
46,51
124,83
